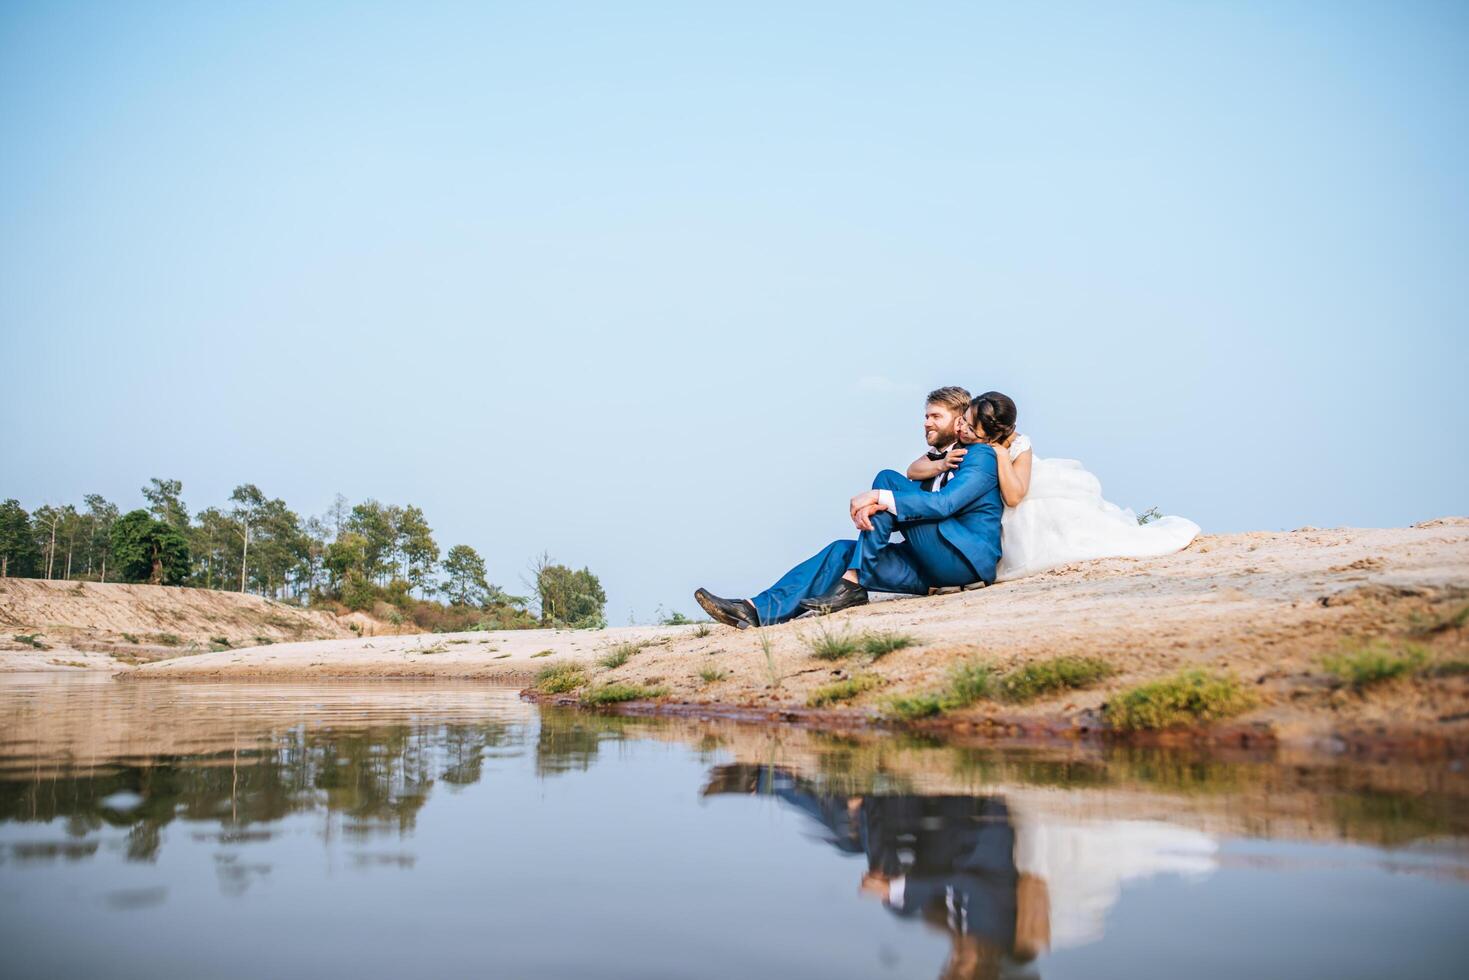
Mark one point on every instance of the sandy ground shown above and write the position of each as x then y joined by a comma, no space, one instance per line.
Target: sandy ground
57,625
1265,606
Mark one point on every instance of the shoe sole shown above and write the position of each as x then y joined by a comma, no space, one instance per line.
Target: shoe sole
719,614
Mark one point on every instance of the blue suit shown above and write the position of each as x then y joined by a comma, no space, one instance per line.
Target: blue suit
950,537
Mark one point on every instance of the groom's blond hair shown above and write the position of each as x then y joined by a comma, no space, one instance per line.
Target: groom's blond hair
951,397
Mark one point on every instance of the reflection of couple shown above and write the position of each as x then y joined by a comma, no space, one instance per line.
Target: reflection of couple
947,861
1005,879
978,483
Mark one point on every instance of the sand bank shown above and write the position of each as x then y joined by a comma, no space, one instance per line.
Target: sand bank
1264,606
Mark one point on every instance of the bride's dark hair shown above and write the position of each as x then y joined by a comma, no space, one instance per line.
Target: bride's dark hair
994,416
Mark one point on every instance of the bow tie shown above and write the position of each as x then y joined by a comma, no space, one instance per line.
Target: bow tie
938,454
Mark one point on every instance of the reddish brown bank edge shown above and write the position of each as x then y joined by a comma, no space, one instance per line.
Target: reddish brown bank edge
1002,730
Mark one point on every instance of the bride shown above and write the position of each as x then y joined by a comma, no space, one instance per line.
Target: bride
1054,510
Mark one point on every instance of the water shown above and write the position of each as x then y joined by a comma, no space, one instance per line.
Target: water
389,829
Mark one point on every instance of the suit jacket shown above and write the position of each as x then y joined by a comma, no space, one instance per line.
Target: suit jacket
967,510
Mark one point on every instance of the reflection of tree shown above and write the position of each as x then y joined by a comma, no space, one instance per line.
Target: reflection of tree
378,778
569,740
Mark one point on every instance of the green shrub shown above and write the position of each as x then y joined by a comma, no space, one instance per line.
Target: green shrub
167,639
560,678
32,640
843,690
618,692
1375,664
1033,680
711,674
1186,697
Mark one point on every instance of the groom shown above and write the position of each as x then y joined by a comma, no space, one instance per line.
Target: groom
950,526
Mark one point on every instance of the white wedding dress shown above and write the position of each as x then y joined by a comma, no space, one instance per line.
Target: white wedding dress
1064,518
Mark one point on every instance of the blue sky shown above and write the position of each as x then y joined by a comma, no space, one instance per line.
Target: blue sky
657,287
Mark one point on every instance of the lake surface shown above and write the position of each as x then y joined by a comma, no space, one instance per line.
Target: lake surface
390,829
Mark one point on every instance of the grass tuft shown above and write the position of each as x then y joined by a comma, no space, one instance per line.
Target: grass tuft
878,644
619,654
766,645
1375,664
1186,697
543,653
618,692
32,640
832,645
167,639
1034,680
703,630
560,678
843,690
709,675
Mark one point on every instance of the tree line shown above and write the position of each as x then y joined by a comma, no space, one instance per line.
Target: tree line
368,556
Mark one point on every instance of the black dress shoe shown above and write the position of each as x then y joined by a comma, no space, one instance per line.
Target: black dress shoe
740,615
844,596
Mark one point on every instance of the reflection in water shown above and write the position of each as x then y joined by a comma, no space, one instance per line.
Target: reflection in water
1011,857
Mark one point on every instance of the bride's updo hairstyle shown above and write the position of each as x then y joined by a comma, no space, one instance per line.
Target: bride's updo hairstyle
994,416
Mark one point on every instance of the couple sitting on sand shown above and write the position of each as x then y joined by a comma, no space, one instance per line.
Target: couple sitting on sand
977,488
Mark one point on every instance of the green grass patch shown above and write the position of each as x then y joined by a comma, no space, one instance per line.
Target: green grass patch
1186,697
543,653
560,678
967,683
843,690
133,639
832,645
166,639
620,653
264,641
1375,664
711,674
501,656
618,692
32,640
911,707
880,643
1042,677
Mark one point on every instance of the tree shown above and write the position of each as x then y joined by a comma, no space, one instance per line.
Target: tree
569,598
17,544
45,523
70,530
466,570
101,516
248,503
212,546
149,550
374,523
416,543
164,503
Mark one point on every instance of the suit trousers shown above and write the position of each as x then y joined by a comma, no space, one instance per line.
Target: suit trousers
922,560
